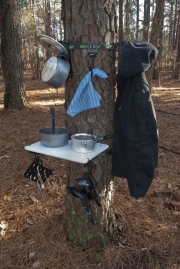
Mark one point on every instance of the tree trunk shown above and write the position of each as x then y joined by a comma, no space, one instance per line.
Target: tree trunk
137,19
146,20
127,20
48,24
175,22
171,20
121,26
86,21
35,54
176,26
155,33
157,65
177,65
11,59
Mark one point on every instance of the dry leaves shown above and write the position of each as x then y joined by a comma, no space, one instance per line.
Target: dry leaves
33,229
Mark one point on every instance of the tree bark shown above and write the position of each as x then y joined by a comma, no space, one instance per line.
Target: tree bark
11,59
146,20
86,21
155,33
127,20
175,23
47,20
121,25
157,65
177,64
137,19
35,63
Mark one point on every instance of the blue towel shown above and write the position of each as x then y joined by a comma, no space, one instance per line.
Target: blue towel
86,97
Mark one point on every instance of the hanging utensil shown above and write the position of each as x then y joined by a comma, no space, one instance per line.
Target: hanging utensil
56,70
81,194
70,190
83,182
51,44
52,116
89,213
87,182
38,173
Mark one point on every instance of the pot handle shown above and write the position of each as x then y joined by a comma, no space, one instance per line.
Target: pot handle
89,131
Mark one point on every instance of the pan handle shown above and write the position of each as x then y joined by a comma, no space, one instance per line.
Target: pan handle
52,116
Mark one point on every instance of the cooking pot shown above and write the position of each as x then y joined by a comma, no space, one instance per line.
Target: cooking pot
59,139
55,71
83,143
57,68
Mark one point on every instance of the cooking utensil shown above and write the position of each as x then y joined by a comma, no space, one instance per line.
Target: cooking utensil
52,116
89,213
87,182
82,143
81,194
83,182
51,44
89,131
55,71
71,191
38,173
59,139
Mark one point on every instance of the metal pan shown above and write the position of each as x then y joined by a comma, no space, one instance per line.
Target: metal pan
55,71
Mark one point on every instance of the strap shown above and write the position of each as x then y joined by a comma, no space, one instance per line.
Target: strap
93,46
105,153
105,137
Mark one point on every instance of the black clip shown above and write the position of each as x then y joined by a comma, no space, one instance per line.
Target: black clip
92,53
92,49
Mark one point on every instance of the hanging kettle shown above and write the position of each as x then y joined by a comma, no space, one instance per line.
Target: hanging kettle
57,68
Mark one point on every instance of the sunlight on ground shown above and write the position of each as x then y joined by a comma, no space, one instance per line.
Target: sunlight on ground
165,89
39,95
46,91
47,103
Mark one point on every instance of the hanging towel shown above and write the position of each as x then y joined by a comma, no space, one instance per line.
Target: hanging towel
86,97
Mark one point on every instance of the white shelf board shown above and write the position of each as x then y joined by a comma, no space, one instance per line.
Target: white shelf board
66,152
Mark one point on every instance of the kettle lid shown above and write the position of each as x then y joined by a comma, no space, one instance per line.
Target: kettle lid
51,44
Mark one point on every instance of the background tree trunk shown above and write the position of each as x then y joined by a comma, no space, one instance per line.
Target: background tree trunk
155,33
157,65
137,19
121,25
146,20
86,21
175,23
47,16
11,59
177,65
35,55
127,19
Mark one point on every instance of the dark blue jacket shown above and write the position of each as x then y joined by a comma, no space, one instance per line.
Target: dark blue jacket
135,144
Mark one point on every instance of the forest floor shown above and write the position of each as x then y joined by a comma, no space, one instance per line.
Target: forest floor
32,229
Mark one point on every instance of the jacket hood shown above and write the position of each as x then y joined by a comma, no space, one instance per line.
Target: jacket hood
136,57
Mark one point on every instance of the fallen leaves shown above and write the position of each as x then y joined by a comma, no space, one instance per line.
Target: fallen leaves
3,226
4,157
7,197
29,221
